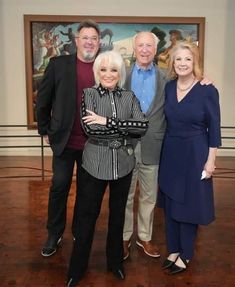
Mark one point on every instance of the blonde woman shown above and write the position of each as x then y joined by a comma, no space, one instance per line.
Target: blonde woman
188,155
110,114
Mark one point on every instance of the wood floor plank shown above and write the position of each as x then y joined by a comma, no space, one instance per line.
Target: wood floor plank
23,212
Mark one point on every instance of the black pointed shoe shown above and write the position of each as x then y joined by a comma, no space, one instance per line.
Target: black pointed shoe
72,282
175,269
51,245
117,272
167,264
74,279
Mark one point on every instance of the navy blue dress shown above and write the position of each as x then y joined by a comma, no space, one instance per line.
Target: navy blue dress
193,125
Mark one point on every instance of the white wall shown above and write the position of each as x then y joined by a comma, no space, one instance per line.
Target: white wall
219,58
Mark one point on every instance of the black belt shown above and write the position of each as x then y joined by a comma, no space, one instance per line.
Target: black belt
114,143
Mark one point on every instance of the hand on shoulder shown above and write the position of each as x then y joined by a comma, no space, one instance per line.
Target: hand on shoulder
206,81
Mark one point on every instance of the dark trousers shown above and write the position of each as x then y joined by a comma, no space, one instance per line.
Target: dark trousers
180,236
87,210
62,167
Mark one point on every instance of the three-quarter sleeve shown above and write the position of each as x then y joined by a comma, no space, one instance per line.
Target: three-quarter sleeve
213,116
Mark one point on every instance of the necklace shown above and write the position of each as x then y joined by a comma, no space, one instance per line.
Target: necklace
187,88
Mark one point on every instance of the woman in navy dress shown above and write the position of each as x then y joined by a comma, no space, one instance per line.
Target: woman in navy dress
188,155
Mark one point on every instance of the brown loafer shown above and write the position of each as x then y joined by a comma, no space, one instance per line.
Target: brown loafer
126,247
149,248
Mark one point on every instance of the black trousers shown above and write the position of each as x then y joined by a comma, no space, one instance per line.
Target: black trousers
180,236
87,210
62,167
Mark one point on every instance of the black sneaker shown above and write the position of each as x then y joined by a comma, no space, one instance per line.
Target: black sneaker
51,245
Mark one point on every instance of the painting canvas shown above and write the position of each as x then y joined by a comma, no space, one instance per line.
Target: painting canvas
52,36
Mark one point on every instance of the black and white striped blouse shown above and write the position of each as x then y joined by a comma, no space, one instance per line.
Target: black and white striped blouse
124,118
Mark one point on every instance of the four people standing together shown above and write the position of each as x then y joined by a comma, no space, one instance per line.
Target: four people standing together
124,134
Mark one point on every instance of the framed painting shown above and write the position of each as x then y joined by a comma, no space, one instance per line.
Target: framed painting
49,36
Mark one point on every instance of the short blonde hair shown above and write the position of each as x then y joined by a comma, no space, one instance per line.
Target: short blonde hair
113,58
193,48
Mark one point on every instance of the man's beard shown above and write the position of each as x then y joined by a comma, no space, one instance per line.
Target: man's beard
88,56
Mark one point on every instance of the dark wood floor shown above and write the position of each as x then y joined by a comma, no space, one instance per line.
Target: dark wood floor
23,212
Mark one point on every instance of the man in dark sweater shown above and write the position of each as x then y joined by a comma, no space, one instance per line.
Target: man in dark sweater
58,115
